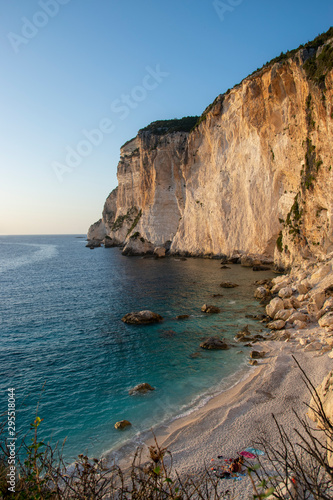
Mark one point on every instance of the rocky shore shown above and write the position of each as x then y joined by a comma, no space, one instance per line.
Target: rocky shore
299,314
301,306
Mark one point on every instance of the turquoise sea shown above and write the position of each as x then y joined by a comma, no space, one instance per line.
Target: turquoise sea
65,348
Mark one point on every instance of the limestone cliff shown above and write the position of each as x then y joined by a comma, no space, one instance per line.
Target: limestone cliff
253,175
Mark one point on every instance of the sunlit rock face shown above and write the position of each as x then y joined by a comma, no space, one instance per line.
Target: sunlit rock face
255,175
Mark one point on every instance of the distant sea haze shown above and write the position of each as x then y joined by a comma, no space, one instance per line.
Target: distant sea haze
61,306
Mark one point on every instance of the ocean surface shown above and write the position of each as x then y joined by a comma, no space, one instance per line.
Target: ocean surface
65,349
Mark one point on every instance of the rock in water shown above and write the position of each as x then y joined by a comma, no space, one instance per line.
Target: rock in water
122,424
228,284
210,309
214,343
257,354
182,316
141,389
159,252
141,318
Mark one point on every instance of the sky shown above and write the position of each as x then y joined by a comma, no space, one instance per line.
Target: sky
80,77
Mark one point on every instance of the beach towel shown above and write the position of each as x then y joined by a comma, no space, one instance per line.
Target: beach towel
247,454
254,451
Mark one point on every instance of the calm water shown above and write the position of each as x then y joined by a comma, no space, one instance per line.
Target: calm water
63,343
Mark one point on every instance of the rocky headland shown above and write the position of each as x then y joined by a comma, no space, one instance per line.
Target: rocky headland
251,176
250,182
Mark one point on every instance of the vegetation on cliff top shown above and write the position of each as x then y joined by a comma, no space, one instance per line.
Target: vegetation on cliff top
315,67
162,127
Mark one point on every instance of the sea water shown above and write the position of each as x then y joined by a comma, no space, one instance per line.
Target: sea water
73,361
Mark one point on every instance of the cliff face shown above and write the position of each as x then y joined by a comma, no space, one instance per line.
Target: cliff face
254,175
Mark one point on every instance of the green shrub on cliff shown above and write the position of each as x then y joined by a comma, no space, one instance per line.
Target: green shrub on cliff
162,127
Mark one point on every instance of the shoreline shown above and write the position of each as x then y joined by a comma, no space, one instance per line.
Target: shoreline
300,309
238,417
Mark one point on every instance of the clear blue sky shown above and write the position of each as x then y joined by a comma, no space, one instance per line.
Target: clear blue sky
65,64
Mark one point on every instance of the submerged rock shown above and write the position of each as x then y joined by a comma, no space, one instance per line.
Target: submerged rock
141,318
228,284
257,354
141,389
122,424
182,316
214,343
261,268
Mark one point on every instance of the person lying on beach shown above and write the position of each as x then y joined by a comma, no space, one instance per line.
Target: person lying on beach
236,465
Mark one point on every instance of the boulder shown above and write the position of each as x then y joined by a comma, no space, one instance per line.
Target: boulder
266,282
327,307
257,354
326,321
141,389
261,268
93,244
320,274
285,293
281,336
235,258
303,287
249,261
313,346
274,306
214,343
297,316
253,362
210,309
278,286
182,316
225,267
300,325
122,424
244,335
261,293
280,279
291,303
228,284
137,247
276,325
159,252
284,314
141,318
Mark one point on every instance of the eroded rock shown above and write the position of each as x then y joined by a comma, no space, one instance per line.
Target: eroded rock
141,318
141,389
274,306
228,284
214,343
122,424
210,309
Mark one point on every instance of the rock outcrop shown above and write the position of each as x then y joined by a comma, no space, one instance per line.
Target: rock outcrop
214,344
141,389
253,179
141,318
122,424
